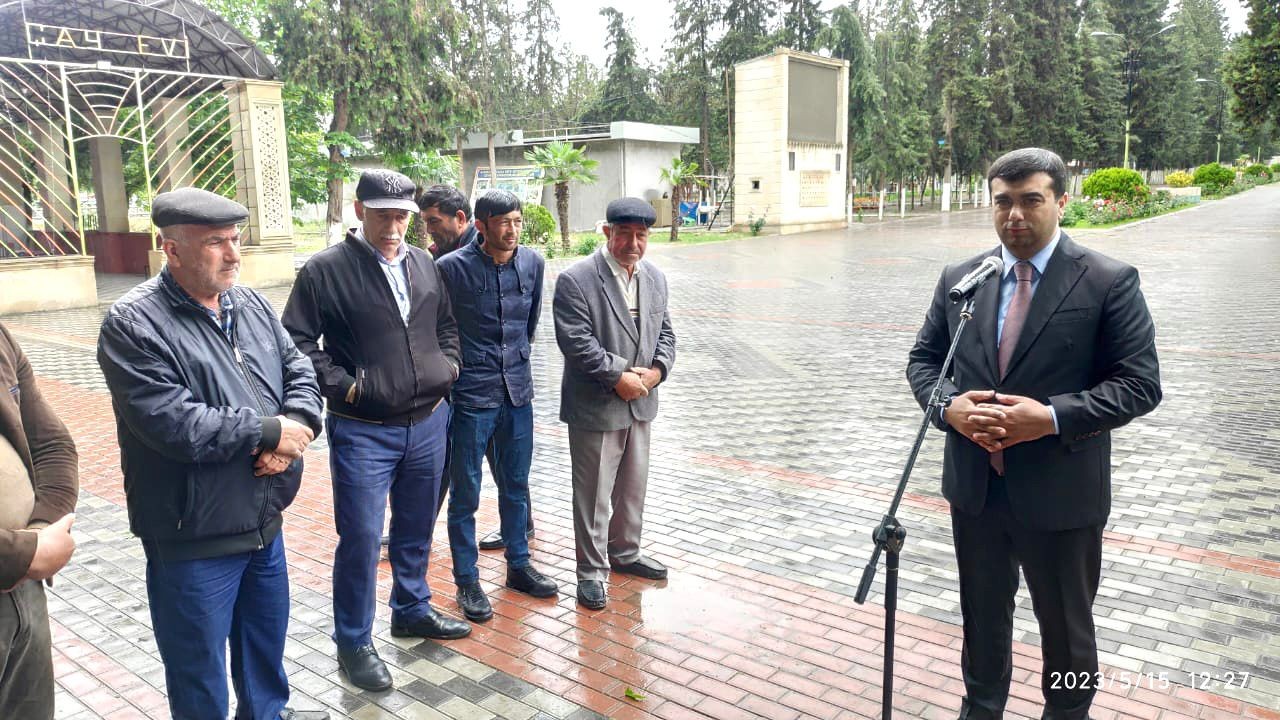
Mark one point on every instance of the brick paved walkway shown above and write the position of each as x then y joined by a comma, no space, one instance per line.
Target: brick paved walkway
781,436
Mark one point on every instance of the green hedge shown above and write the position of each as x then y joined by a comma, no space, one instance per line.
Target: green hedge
1212,177
538,225
1116,184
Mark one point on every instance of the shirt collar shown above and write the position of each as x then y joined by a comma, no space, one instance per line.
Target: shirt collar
1038,261
400,251
618,270
225,301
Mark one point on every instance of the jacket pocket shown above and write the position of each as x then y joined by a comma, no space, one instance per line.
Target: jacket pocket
189,503
361,379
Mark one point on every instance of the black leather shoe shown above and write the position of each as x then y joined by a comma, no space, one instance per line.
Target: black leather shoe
432,625
642,567
473,602
531,582
591,594
291,714
494,541
365,669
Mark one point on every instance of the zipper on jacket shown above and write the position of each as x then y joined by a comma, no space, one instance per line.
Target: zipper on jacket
262,412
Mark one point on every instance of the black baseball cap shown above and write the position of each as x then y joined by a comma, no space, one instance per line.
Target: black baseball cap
386,189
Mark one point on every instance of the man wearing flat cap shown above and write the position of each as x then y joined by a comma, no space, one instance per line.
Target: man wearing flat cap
615,332
374,317
214,407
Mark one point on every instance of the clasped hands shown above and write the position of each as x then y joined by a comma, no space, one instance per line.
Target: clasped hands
294,439
997,421
637,382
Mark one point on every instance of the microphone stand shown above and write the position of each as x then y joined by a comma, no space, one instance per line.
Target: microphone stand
889,536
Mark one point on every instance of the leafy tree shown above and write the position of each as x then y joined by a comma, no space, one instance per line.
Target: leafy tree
846,39
957,92
1145,47
680,174
689,79
383,63
900,133
562,164
625,94
747,31
1102,111
543,68
801,23
1254,73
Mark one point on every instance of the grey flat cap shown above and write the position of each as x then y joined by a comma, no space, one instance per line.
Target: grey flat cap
630,210
193,206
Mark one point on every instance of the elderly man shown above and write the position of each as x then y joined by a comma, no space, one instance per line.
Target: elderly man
613,327
38,481
214,407
1062,353
373,315
496,289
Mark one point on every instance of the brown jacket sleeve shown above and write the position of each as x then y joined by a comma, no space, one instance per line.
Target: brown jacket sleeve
16,550
42,439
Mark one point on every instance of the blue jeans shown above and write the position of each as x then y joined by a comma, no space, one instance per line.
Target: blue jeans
196,606
370,463
511,429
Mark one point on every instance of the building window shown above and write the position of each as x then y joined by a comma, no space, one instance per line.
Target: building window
755,184
791,161
837,162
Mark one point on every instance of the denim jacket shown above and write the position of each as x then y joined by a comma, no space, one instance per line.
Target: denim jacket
497,309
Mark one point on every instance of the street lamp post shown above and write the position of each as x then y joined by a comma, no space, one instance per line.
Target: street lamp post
1222,91
1131,74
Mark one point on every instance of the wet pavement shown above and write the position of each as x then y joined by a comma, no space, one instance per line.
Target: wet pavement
780,438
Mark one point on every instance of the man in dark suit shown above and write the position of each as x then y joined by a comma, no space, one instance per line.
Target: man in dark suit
1061,351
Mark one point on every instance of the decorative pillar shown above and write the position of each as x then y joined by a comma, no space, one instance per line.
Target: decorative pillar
15,210
108,184
57,200
172,161
261,159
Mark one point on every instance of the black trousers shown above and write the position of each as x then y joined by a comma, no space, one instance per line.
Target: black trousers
1062,570
26,662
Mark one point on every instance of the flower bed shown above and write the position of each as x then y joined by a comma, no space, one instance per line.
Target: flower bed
1100,211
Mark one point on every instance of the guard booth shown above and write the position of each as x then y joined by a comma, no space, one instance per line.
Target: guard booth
103,104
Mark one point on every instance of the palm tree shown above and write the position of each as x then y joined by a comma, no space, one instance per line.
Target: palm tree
561,163
680,174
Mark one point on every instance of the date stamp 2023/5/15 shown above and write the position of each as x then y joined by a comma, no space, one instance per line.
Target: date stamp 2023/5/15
1124,680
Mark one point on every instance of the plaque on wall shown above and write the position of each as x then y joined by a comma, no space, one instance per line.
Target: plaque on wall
813,188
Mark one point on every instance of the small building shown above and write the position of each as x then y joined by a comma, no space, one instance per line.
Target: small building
99,95
790,130
631,157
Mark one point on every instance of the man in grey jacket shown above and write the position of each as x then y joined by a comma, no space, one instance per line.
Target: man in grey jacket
612,325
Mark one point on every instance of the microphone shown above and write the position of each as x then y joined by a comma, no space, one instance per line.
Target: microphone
970,283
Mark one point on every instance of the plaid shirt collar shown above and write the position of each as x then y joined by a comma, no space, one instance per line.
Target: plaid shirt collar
224,319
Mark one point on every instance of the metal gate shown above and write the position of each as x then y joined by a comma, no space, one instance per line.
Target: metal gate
154,130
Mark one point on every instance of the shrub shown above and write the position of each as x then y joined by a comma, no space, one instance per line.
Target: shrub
587,245
1178,179
1258,171
1116,184
538,225
1275,169
1075,211
1213,177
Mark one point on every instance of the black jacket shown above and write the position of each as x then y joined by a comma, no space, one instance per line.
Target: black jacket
1087,348
191,408
400,371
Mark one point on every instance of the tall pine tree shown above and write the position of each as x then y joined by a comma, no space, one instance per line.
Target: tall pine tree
626,93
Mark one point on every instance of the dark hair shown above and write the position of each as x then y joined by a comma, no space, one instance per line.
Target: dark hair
448,200
1020,164
496,202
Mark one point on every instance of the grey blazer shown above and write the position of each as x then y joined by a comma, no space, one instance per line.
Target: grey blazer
600,342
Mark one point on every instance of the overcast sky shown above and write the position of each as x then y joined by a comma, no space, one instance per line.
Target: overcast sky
583,28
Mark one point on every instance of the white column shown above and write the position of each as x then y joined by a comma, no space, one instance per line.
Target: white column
261,162
171,162
108,184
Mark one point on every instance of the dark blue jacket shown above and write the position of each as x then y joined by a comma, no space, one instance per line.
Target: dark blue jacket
497,309
192,406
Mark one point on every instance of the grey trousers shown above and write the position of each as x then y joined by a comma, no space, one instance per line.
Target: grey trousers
26,662
610,473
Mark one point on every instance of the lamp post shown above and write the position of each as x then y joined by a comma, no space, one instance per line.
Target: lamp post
1222,91
1131,74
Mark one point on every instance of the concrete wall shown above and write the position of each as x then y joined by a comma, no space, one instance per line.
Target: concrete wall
627,167
47,283
761,151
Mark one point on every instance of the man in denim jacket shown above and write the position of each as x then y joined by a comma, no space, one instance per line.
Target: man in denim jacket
495,287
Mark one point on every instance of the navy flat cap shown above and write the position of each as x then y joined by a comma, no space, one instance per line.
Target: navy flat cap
630,210
193,206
